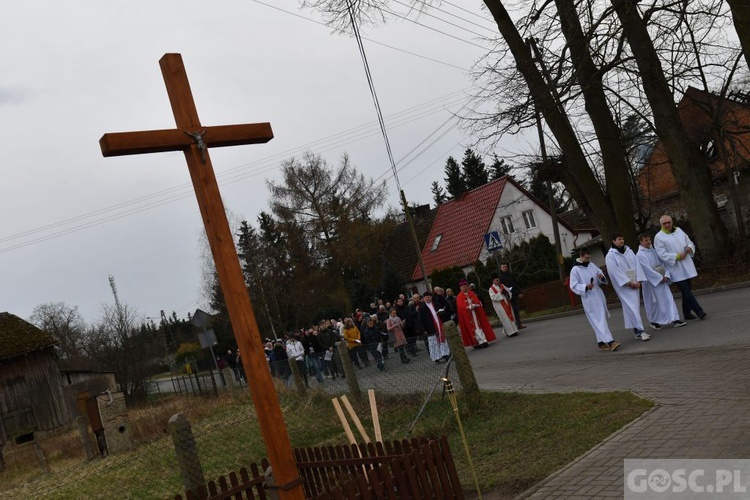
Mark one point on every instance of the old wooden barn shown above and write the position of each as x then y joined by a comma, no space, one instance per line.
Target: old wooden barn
31,394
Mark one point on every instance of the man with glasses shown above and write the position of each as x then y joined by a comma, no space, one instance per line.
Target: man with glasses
675,249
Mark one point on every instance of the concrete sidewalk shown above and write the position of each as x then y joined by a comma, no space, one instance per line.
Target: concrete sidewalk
702,411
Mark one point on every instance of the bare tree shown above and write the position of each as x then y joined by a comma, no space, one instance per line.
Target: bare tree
688,163
65,324
741,16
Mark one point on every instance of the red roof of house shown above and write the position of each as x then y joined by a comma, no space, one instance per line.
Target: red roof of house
462,223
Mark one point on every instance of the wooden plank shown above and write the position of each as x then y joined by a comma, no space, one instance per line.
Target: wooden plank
161,141
375,416
344,422
355,419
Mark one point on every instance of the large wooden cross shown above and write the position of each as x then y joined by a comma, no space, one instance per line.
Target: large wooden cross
194,139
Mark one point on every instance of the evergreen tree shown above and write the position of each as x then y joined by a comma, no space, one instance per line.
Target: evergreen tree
455,182
438,194
498,168
474,170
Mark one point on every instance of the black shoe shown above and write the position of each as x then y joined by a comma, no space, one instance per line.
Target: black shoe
702,316
656,326
690,316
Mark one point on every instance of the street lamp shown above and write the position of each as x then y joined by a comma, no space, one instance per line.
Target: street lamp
454,403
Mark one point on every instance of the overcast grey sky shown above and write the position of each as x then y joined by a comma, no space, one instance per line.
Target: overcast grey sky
72,71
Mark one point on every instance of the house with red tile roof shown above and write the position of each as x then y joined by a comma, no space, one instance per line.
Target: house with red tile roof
505,206
721,127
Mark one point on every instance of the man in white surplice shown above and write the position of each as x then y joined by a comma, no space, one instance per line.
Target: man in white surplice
626,274
585,278
502,306
657,297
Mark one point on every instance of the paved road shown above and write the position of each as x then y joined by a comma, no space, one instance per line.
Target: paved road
698,375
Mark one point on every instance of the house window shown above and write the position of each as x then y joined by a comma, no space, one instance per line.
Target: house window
710,150
436,243
528,219
507,224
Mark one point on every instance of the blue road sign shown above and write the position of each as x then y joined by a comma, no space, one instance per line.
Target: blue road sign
492,241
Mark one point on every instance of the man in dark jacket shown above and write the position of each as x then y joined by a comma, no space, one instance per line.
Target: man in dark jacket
328,337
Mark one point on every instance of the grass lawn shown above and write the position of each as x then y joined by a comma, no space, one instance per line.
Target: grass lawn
515,440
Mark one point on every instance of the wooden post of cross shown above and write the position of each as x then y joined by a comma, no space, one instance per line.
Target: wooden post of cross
194,140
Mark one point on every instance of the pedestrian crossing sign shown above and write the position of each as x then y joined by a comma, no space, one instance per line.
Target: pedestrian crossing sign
492,240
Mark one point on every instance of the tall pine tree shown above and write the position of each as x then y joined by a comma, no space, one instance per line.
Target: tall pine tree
498,168
455,182
438,194
474,170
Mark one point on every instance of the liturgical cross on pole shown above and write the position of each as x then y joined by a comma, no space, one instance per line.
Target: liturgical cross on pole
194,140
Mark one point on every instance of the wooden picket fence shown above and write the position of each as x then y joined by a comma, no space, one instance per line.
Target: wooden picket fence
408,469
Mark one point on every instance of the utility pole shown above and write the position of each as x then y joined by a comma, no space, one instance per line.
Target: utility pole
543,147
410,222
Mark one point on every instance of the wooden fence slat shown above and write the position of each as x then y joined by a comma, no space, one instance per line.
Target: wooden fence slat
450,467
246,484
419,469
386,479
399,474
316,478
350,490
444,482
430,467
259,481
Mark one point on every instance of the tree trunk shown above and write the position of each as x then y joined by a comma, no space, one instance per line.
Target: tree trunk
608,133
578,177
741,18
689,165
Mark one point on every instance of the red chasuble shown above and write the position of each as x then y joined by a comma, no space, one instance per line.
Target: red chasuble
466,319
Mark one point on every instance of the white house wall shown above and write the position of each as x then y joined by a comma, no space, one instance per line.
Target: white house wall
513,202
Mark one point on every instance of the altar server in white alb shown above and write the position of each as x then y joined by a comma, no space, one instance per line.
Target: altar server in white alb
657,297
502,306
676,251
585,281
626,274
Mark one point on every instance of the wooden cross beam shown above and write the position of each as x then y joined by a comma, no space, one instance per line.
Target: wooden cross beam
194,140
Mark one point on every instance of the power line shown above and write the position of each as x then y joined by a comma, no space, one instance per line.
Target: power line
341,31
373,93
235,174
428,14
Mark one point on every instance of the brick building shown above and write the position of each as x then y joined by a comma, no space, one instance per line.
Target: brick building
721,127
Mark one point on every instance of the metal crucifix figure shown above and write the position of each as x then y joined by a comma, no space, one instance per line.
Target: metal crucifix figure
194,140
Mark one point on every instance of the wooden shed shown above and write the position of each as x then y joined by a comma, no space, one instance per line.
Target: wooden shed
31,393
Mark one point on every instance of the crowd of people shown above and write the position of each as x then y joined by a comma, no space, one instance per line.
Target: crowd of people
657,264
395,329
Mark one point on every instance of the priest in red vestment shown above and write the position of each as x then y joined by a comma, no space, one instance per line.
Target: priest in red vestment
472,321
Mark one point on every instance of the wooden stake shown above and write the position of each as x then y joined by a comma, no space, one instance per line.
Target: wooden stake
355,419
344,421
375,417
